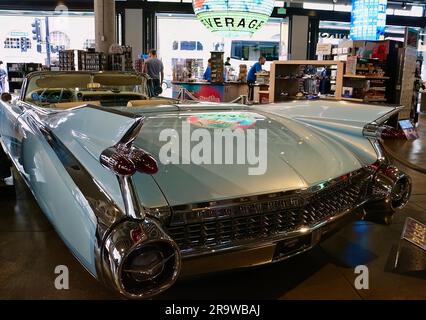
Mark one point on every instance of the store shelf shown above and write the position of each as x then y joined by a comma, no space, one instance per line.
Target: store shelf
364,77
376,100
290,79
328,98
353,99
362,100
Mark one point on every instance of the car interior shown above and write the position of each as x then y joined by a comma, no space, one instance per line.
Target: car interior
70,90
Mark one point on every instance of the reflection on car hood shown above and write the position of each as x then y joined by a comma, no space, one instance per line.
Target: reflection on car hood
297,157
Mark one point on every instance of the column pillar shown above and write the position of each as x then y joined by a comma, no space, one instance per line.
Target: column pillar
299,26
133,29
104,24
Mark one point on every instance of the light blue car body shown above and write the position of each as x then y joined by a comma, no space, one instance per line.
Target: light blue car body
324,140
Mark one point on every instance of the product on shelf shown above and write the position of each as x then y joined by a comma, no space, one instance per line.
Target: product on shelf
76,60
371,71
217,67
139,65
16,73
187,69
262,77
242,74
306,79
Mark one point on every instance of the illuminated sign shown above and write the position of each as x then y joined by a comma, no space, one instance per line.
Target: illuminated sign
233,17
368,20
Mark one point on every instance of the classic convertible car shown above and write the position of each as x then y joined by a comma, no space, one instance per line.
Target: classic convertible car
88,146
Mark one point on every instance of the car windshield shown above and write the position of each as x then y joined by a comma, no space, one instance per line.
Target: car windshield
68,89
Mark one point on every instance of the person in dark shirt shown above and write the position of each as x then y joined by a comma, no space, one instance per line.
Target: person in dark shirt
251,77
155,69
228,62
208,73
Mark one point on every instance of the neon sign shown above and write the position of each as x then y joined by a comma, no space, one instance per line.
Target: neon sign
233,17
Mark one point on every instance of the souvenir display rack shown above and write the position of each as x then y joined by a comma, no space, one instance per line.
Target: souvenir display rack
302,79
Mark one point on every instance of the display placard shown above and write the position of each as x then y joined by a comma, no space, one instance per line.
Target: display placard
323,49
351,63
409,130
415,232
368,19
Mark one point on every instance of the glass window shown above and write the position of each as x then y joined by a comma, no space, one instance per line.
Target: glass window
23,35
414,11
252,50
188,45
317,6
343,7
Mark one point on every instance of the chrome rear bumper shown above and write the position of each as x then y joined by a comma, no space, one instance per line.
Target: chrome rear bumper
255,254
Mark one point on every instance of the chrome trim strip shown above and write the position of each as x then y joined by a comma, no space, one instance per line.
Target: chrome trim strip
370,130
295,198
65,72
131,204
386,116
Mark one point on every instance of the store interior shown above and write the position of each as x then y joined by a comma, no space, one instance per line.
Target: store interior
309,53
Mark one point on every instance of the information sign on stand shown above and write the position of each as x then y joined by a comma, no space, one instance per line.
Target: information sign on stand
413,232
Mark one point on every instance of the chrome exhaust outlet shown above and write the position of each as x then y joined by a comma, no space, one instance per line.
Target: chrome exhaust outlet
391,190
139,259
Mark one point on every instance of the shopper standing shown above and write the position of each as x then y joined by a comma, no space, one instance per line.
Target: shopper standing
3,75
155,69
251,77
208,73
228,62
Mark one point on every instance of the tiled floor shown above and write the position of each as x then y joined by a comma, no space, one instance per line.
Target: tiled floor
30,250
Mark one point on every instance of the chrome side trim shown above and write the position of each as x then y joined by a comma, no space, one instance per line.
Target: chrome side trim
131,203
